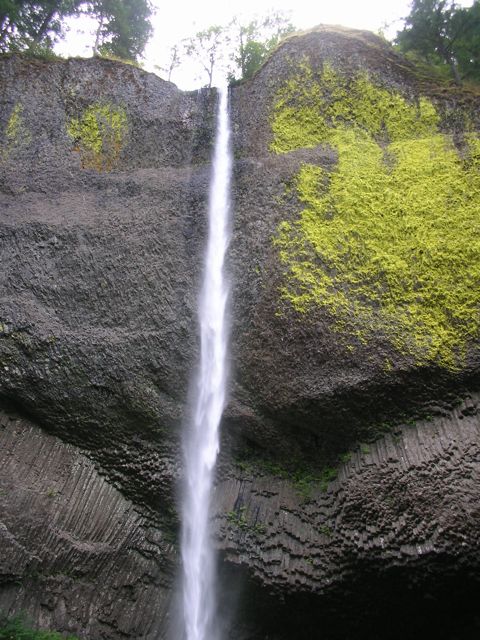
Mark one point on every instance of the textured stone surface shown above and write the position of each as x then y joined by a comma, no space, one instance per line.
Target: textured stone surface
396,531
408,496
98,342
293,368
98,289
74,552
97,332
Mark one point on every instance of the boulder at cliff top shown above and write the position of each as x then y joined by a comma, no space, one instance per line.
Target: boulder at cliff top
354,262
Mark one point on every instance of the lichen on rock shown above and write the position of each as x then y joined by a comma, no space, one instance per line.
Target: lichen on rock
99,135
15,133
388,240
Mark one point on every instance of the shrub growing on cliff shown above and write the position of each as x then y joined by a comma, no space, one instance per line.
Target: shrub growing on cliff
123,27
17,629
252,42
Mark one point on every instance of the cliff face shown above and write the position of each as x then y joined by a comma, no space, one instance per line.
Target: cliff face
354,263
103,182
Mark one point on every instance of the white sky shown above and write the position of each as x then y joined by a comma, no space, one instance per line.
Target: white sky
182,19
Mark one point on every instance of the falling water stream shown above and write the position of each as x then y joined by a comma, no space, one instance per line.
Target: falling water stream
202,441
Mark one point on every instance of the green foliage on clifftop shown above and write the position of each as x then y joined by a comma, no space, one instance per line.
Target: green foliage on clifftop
389,239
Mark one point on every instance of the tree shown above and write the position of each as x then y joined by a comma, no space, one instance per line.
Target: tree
123,27
241,48
440,31
173,60
467,45
28,25
207,48
255,40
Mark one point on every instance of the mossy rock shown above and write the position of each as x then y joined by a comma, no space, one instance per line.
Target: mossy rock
17,628
388,241
99,135
15,134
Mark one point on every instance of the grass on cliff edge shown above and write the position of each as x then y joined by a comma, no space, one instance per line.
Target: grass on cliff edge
388,241
17,629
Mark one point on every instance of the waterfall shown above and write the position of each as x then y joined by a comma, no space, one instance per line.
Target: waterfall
202,440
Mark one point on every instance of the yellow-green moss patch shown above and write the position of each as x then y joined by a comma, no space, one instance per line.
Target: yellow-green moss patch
311,107
100,135
15,134
389,240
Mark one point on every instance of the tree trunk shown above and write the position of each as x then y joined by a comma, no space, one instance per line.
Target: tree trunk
446,53
210,70
98,35
456,74
242,55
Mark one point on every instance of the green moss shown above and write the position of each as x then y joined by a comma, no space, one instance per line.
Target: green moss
99,135
113,58
14,123
312,107
17,629
238,520
326,531
389,240
304,479
15,134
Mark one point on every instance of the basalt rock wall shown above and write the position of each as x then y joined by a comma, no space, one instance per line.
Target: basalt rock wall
350,442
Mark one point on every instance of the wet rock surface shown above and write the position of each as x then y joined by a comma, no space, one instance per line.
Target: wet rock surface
401,514
75,553
98,341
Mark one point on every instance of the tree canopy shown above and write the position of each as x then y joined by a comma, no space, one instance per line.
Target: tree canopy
207,47
124,27
29,25
25,24
239,47
443,33
255,40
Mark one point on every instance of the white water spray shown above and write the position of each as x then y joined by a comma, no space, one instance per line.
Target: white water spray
202,442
